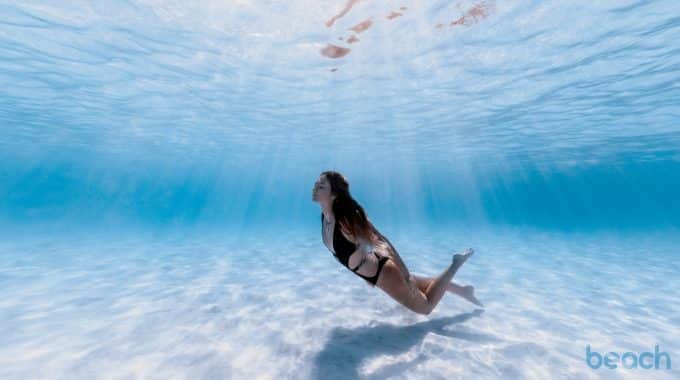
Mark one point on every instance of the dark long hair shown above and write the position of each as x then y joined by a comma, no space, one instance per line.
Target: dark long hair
348,212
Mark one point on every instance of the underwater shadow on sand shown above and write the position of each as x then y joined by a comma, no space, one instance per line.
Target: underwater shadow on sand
346,349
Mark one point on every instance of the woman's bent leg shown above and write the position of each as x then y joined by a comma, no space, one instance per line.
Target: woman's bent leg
465,291
406,292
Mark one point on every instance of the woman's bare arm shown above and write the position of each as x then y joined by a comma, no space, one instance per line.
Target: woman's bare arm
394,255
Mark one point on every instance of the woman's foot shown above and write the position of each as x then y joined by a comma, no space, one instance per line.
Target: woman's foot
459,258
469,294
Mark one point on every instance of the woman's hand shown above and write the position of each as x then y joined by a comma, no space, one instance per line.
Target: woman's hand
363,253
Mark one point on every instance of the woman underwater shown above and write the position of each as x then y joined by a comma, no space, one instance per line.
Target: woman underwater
356,243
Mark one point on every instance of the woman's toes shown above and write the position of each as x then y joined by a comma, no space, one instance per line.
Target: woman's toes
459,258
470,295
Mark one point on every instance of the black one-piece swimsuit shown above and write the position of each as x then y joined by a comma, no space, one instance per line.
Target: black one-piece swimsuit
344,249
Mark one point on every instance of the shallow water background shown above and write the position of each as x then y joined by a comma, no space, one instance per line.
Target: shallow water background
561,115
157,160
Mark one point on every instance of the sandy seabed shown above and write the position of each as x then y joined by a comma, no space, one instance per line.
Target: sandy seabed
266,307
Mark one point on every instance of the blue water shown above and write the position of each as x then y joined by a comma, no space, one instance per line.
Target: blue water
157,160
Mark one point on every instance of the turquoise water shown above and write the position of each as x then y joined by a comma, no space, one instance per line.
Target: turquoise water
157,161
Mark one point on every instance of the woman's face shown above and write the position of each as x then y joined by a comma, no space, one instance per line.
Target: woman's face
322,190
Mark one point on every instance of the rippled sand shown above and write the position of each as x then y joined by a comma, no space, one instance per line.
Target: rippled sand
281,307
